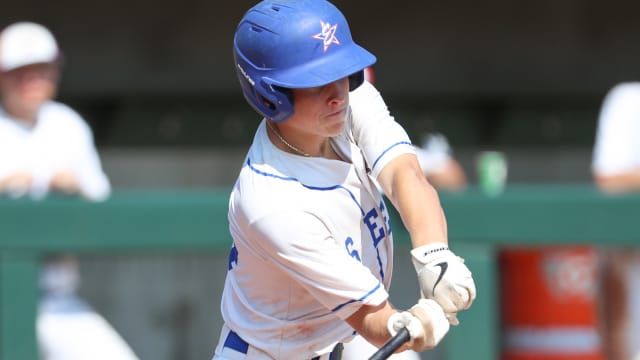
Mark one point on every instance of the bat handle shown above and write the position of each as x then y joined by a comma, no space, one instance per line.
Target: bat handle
392,345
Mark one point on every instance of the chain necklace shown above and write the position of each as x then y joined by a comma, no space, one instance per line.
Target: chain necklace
285,141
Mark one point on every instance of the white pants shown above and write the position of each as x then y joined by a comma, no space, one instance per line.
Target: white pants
356,349
359,348
227,353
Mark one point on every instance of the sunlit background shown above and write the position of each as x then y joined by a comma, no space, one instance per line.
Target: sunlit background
156,82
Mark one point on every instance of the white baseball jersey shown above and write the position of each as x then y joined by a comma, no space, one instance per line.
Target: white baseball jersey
617,149
60,140
312,241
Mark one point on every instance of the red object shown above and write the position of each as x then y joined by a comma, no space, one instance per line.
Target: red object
369,75
548,303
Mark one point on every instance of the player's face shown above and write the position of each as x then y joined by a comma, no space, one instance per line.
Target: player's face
321,110
27,88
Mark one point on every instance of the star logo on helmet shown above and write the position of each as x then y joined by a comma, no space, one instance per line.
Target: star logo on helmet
327,35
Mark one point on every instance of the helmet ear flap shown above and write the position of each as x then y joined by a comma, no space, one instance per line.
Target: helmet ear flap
277,103
356,79
288,93
271,101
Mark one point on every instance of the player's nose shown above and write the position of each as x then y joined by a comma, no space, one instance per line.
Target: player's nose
338,91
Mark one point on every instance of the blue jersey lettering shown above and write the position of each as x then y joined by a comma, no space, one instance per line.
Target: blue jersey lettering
385,216
376,231
348,244
233,257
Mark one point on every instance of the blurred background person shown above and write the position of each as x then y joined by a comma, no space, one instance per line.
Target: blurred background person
616,170
46,147
436,158
439,165
616,156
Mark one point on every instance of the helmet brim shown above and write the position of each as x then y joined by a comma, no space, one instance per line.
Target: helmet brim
340,63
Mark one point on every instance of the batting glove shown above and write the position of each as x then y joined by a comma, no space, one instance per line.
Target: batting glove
426,322
445,278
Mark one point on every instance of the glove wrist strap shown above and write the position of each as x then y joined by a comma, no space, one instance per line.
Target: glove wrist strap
426,250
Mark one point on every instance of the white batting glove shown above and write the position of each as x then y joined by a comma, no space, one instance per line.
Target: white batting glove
444,277
426,322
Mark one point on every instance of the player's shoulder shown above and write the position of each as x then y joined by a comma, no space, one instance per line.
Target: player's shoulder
59,108
256,197
626,91
363,92
63,116
266,183
367,104
62,113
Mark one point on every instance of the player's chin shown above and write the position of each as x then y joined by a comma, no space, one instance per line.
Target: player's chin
334,129
335,124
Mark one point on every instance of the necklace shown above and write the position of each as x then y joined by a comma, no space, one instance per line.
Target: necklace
285,141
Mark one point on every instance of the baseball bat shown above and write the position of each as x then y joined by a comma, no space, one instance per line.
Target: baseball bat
392,345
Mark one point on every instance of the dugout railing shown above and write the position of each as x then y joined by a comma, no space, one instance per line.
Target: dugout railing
188,220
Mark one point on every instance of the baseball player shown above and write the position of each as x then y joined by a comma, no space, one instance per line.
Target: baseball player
312,250
616,170
45,146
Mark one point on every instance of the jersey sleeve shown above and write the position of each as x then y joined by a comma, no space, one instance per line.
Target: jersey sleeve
616,147
375,131
300,245
93,182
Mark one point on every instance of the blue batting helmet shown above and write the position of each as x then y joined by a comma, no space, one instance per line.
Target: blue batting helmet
294,44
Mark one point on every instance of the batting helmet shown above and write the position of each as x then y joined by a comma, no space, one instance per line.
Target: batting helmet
294,44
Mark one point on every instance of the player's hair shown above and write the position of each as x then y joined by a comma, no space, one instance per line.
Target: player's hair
294,44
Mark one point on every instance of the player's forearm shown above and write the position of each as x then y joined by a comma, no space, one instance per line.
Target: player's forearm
371,322
422,215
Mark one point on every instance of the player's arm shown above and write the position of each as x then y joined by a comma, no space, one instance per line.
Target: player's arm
65,181
442,275
425,321
388,150
620,182
415,199
17,183
90,180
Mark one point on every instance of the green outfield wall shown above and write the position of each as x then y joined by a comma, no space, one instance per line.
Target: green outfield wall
177,221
